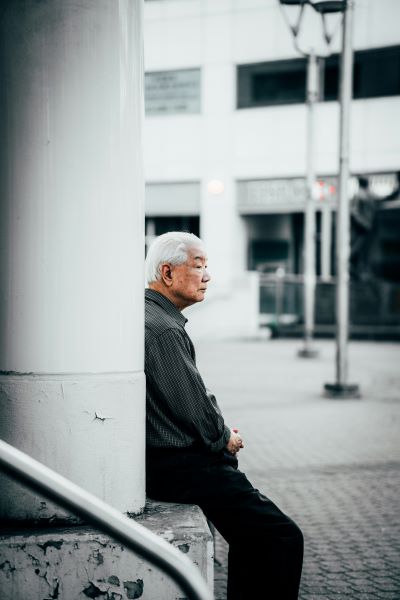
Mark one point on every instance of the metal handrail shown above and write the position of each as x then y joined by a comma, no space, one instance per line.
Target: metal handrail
106,518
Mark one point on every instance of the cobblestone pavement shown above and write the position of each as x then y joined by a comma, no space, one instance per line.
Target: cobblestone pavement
333,466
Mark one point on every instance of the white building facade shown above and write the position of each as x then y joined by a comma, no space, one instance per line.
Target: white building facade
225,135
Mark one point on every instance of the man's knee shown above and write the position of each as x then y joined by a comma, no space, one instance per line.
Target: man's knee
287,529
295,530
294,534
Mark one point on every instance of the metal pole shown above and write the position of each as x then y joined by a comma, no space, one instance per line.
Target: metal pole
326,242
109,520
309,226
342,388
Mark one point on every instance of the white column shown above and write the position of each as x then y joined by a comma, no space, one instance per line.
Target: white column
326,242
72,247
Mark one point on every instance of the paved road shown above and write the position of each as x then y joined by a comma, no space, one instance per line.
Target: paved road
334,466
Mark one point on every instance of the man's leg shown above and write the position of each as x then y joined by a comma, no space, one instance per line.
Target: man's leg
265,546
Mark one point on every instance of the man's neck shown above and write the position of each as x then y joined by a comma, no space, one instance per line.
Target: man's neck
162,289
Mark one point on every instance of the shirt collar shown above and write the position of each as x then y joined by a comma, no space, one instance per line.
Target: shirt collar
167,305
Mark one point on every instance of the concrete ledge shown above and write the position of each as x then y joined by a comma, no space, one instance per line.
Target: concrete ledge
79,563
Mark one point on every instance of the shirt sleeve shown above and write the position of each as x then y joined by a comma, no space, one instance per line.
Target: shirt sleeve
172,372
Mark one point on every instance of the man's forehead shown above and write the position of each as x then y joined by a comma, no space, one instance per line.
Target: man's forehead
197,252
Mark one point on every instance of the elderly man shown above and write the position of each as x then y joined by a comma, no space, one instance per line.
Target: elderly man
191,453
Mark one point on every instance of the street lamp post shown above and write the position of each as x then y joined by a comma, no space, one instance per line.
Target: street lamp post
310,229
323,7
341,388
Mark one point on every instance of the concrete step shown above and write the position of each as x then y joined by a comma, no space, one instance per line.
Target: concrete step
79,562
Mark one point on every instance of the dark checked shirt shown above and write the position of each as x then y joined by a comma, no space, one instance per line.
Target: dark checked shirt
181,412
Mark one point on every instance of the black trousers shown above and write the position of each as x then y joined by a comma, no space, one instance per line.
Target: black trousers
265,546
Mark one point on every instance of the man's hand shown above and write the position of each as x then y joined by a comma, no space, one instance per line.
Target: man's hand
235,442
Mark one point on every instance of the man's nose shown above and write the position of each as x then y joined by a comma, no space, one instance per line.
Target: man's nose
206,275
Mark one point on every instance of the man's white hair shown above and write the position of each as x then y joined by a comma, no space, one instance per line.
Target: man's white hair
172,248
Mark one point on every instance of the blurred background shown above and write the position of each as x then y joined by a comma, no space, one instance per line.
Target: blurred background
226,146
242,147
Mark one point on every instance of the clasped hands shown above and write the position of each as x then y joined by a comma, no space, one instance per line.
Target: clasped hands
235,442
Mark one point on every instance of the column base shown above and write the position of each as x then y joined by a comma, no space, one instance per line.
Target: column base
308,352
90,428
342,391
80,562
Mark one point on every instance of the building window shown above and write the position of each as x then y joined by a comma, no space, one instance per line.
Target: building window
271,83
164,224
172,92
376,74
172,206
155,226
268,255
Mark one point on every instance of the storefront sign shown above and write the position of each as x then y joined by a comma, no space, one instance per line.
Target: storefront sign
290,195
283,195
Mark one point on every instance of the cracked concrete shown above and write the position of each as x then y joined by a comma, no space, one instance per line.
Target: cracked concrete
78,562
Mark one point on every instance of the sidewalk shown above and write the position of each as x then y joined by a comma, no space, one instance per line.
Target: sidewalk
332,465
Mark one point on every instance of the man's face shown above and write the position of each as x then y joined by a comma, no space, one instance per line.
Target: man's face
189,280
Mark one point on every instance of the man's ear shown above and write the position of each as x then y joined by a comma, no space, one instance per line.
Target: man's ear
166,274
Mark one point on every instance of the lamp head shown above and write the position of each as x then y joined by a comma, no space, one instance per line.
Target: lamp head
293,12
328,6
